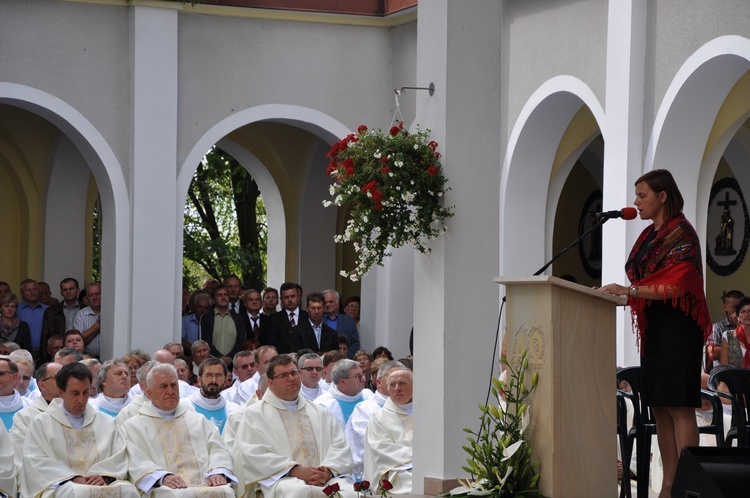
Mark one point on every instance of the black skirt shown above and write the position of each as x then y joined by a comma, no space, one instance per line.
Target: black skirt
671,358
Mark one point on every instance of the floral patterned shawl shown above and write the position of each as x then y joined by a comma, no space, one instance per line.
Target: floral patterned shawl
672,264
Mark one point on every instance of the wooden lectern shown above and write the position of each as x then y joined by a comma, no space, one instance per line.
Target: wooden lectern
568,331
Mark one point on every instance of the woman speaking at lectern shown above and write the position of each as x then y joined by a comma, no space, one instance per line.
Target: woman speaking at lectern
669,313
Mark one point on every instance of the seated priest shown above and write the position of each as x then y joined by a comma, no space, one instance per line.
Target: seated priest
173,451
287,446
8,487
388,439
207,400
72,449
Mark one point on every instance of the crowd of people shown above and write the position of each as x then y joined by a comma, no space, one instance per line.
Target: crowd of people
251,399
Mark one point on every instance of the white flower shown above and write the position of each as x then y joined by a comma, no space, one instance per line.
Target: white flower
508,452
398,163
377,154
416,146
327,203
390,174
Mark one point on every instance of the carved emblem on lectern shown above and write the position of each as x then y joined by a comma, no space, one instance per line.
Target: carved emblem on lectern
532,341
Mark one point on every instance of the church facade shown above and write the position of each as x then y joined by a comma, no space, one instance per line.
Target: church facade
544,112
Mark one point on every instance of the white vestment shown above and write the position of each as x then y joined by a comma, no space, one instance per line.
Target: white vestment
271,439
330,400
55,452
134,407
246,389
230,429
9,406
111,406
185,389
187,445
388,447
20,429
8,486
357,425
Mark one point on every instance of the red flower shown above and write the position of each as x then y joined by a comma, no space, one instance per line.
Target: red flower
331,489
348,163
362,129
432,145
378,206
394,131
361,486
331,167
383,159
386,484
376,195
432,170
350,171
438,155
386,170
370,186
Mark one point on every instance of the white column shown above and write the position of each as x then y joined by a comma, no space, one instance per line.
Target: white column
456,301
153,173
623,156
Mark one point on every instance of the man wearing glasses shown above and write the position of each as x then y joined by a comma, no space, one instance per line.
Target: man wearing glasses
244,367
345,392
10,401
311,371
287,446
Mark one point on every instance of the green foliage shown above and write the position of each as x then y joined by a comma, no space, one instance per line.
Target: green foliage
225,229
499,459
394,184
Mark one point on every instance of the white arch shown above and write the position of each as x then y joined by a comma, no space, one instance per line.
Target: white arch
114,196
315,122
528,161
687,114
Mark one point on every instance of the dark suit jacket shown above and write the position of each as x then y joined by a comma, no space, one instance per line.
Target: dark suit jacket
207,333
345,325
53,323
264,333
281,329
303,337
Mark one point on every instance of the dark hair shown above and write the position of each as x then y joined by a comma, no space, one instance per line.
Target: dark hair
742,303
68,351
315,297
289,286
76,370
211,361
70,279
267,290
382,349
732,294
661,180
343,339
282,359
217,289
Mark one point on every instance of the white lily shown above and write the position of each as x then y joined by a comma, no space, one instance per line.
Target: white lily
510,450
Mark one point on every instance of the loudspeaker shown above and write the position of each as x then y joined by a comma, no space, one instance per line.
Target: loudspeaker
709,472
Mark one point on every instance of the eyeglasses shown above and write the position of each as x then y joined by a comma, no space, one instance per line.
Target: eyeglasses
286,375
47,378
358,376
245,367
310,369
3,373
394,385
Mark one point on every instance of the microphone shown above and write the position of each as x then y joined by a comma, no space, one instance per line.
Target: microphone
626,213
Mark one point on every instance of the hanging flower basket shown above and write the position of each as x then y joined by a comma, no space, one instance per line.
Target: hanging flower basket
394,183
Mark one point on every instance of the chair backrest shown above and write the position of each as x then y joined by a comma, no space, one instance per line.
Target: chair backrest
641,412
737,381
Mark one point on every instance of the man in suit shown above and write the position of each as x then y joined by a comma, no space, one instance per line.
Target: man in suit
285,320
59,318
313,333
234,289
342,324
256,323
223,330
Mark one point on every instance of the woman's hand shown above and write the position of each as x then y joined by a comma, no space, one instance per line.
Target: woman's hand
615,289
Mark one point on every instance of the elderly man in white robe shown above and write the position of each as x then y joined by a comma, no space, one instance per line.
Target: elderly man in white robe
346,391
288,447
388,443
72,449
175,452
363,412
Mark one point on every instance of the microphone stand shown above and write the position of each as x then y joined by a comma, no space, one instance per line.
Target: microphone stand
601,222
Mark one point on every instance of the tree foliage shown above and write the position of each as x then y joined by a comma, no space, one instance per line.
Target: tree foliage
225,228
